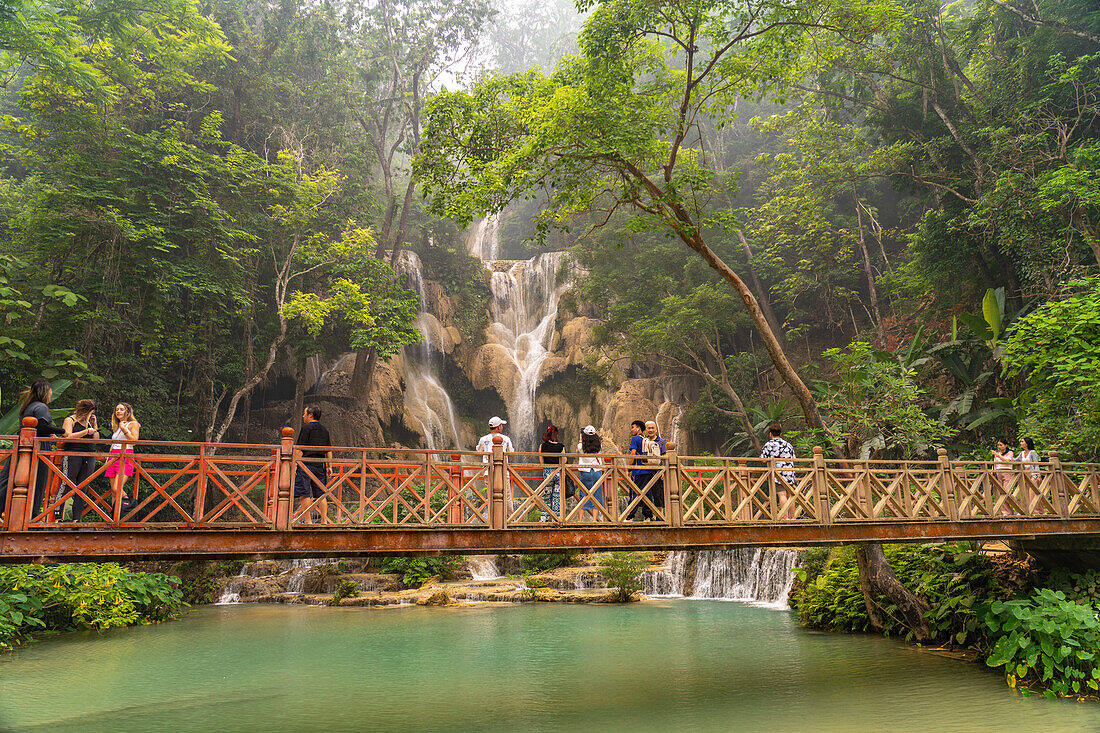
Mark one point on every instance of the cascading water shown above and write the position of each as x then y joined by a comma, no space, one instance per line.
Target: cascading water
743,574
524,309
426,400
483,567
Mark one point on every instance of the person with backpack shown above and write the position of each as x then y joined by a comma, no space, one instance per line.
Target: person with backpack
648,446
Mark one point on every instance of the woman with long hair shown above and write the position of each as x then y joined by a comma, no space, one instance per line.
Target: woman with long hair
1030,458
125,427
590,472
81,424
1002,470
34,403
550,451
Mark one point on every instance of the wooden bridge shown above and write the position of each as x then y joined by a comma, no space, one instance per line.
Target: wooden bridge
223,500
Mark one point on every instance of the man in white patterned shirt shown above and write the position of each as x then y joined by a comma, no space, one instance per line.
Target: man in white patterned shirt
783,452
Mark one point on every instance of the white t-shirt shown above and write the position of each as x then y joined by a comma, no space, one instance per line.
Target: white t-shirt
588,459
485,445
1030,459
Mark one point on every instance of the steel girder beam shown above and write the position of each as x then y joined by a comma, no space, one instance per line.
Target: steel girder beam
51,545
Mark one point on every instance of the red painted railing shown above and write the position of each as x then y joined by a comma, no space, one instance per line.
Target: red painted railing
202,486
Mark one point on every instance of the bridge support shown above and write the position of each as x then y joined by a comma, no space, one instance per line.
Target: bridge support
672,484
821,488
284,500
20,507
497,512
947,485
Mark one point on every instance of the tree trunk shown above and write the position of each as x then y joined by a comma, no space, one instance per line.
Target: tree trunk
761,293
877,577
867,271
366,361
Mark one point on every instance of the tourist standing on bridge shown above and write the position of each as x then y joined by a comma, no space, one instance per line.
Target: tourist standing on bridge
81,424
647,445
313,472
637,427
551,469
590,472
1030,460
1002,463
782,452
125,427
34,403
485,445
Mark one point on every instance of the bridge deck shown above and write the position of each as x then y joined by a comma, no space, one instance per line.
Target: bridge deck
194,499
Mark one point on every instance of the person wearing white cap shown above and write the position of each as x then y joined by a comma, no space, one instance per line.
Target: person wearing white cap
496,427
590,446
485,445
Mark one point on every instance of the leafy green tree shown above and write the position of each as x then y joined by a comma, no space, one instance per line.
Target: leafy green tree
876,406
1056,351
617,127
818,218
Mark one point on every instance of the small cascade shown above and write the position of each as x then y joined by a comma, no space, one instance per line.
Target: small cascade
483,567
667,582
426,399
231,594
762,576
524,310
299,569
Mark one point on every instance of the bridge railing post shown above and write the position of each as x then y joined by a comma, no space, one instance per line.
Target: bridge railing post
611,489
200,487
21,504
821,488
454,508
1058,486
498,471
284,499
673,488
947,486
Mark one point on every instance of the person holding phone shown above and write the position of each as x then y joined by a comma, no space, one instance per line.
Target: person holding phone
125,427
81,424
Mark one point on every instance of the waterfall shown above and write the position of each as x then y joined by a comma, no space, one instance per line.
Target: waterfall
426,400
524,309
483,567
762,576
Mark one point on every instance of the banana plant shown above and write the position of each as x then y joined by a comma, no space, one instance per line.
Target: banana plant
762,416
9,423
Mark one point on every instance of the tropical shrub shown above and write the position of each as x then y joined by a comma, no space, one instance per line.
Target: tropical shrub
1078,587
537,563
415,570
623,573
956,582
1048,642
81,596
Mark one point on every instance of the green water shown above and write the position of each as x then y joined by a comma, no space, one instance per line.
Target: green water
684,665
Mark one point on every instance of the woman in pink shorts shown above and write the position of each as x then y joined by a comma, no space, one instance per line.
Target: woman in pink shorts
125,428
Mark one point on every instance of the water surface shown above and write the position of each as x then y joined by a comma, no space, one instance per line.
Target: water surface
664,665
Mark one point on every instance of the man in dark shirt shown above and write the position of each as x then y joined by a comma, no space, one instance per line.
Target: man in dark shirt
309,487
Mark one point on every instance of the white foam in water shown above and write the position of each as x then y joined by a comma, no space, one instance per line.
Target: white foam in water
483,567
761,577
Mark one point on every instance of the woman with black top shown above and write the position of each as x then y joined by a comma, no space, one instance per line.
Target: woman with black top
81,424
34,404
551,462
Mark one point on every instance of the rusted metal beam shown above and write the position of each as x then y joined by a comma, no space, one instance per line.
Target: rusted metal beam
62,544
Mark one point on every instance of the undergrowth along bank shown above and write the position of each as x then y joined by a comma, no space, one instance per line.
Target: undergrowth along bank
36,599
1043,632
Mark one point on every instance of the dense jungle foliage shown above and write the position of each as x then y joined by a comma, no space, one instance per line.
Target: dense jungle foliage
43,598
195,195
1043,631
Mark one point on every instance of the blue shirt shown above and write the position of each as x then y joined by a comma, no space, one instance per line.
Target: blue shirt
636,446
